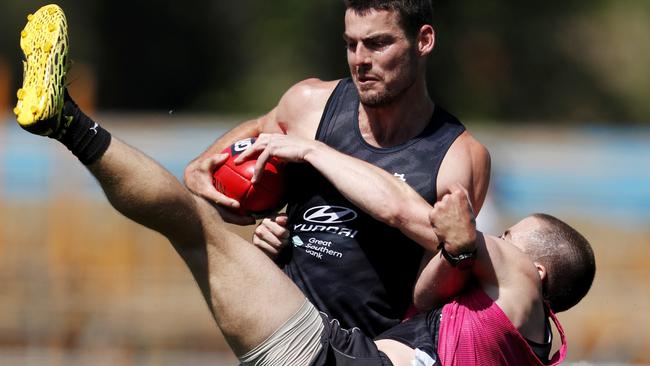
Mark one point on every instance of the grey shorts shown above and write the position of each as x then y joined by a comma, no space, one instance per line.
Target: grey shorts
311,338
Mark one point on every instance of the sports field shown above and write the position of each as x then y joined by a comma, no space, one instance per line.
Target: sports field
81,285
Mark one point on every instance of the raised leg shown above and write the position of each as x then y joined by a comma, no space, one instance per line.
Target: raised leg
248,295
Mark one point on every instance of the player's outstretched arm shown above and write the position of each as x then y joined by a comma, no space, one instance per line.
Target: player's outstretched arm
377,192
466,164
370,188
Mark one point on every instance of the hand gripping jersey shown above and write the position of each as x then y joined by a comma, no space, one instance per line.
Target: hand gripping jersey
353,268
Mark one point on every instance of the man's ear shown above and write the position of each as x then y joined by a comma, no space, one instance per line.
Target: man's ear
541,270
426,40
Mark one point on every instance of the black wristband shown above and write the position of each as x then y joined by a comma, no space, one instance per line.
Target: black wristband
461,261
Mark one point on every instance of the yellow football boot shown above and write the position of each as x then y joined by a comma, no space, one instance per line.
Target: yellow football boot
44,41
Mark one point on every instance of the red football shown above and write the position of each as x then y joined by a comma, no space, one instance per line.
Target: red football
234,180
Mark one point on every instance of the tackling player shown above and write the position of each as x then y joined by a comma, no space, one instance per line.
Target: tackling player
381,114
538,266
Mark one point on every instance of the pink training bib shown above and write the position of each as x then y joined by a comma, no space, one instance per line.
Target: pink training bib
475,331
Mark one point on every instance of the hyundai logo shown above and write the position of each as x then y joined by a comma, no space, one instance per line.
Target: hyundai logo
329,214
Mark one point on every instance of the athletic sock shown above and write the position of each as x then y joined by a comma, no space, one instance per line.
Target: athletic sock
85,138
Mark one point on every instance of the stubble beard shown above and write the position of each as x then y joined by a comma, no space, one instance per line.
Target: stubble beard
389,94
380,98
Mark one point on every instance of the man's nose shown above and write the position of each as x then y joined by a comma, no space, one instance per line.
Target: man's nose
361,55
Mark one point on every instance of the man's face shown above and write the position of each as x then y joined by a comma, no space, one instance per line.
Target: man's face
520,233
382,60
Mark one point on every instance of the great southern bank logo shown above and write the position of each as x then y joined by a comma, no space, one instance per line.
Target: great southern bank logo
329,214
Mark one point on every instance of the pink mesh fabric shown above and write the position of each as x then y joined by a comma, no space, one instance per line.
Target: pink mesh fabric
475,331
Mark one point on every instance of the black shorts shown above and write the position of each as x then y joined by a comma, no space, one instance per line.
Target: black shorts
347,347
419,332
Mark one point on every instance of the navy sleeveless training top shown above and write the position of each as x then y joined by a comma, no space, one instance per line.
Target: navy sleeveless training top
352,267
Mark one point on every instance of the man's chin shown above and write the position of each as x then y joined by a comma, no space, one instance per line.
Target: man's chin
374,99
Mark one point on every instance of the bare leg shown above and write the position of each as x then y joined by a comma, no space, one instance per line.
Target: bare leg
248,295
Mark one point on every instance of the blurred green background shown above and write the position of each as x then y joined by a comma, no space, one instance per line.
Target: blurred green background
572,60
557,91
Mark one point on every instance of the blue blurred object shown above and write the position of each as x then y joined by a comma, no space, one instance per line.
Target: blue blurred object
599,173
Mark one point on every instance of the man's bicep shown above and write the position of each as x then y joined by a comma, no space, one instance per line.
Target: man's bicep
481,166
467,162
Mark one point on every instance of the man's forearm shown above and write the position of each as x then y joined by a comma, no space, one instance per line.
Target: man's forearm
376,192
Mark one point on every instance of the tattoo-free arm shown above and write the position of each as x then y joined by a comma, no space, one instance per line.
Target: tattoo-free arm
377,192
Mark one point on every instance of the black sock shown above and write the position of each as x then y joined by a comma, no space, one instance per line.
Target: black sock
86,139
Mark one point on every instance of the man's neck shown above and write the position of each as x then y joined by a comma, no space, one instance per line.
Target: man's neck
399,121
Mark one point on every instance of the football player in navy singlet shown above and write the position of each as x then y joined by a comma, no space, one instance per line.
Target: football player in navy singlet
264,316
350,265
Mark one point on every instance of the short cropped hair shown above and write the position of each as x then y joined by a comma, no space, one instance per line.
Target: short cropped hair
413,14
568,259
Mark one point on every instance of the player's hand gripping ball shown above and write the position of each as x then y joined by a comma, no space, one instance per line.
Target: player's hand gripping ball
234,181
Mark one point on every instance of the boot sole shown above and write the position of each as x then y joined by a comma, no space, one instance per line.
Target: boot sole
44,42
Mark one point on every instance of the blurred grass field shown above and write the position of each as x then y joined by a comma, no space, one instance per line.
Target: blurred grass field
108,291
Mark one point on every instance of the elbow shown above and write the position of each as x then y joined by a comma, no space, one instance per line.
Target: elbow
422,301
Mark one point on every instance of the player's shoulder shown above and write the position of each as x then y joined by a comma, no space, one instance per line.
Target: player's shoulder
468,144
309,90
300,108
